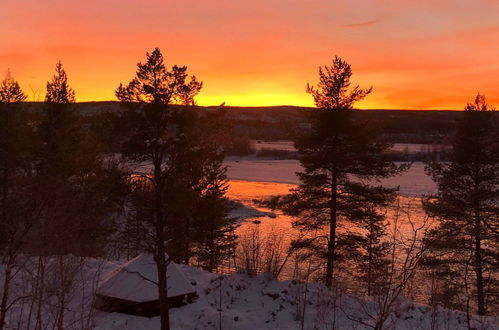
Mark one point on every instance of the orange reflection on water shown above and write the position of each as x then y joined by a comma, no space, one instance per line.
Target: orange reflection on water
249,190
273,235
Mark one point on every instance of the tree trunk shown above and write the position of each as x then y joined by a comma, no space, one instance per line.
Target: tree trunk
479,268
6,283
369,268
332,233
4,200
41,289
62,294
211,265
5,295
161,263
478,245
187,241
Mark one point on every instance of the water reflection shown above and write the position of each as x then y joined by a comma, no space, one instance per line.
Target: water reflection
264,241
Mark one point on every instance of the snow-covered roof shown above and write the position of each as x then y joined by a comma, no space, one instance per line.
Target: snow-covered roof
137,281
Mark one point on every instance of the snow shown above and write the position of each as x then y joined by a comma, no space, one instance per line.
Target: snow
240,302
137,281
243,212
413,182
262,170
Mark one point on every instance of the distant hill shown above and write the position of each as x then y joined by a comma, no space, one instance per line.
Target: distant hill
284,122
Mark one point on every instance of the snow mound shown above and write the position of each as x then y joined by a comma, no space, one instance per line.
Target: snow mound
241,302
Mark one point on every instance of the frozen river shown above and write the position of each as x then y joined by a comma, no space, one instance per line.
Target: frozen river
413,182
258,179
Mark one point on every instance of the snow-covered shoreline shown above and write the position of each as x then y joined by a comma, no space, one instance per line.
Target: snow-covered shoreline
245,303
240,302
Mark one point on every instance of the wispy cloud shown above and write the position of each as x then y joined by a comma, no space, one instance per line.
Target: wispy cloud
361,24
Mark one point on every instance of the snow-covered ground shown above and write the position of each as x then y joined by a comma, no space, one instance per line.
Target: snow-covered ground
238,301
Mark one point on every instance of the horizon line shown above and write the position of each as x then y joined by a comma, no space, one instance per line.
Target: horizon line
270,106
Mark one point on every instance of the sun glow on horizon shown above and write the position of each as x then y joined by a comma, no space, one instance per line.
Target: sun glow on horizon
416,55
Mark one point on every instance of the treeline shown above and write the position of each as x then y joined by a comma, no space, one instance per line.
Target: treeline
65,197
287,122
149,177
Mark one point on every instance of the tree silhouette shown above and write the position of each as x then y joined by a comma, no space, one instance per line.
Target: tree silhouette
339,156
154,135
467,207
58,90
16,220
10,91
71,181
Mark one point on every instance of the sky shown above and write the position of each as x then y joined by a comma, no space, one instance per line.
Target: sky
417,54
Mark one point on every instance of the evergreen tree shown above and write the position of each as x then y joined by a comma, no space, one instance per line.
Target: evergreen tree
465,242
155,136
72,173
17,207
10,91
340,157
58,90
367,243
201,223
213,238
72,181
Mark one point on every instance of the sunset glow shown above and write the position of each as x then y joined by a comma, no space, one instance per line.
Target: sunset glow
416,54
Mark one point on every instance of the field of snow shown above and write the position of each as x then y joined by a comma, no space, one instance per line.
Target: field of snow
240,302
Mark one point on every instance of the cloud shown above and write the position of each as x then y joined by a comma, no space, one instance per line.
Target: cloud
361,24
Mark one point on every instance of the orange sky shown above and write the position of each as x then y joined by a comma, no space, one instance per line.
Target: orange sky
417,54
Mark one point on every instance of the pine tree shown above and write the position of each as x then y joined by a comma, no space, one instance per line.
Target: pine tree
17,208
339,156
466,239
71,169
154,136
10,91
366,240
201,230
71,180
214,239
58,90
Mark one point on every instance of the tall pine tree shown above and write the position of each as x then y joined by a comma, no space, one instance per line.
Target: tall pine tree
72,173
213,237
366,241
18,208
340,157
77,202
464,246
154,135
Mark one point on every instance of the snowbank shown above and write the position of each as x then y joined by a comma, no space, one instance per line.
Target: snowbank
240,302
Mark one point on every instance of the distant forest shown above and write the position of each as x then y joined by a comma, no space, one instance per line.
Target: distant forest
287,122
